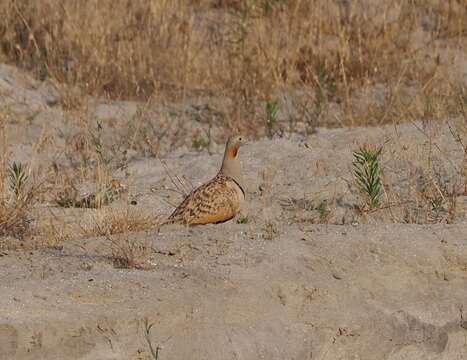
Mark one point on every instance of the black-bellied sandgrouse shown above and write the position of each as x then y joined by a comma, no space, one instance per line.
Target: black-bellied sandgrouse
218,200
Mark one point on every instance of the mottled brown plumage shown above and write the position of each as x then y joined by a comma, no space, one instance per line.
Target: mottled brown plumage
218,200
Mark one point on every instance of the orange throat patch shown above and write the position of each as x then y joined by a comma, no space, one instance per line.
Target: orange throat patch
233,151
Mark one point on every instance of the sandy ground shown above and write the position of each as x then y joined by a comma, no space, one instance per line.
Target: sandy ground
228,292
288,280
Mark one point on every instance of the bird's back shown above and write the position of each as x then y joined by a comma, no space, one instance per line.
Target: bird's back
216,201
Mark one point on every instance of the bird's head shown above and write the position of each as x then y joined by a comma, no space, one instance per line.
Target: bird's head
233,144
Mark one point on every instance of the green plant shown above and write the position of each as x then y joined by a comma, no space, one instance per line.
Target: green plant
15,204
270,5
323,212
272,110
243,219
31,117
367,173
101,197
18,178
436,206
104,155
199,144
322,87
436,203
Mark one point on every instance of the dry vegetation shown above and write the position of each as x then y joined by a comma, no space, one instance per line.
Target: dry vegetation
247,51
16,195
335,62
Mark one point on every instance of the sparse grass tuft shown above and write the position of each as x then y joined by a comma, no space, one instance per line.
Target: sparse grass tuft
367,173
18,178
270,230
324,212
127,252
199,144
272,110
108,221
147,335
243,219
96,200
16,201
459,134
130,253
14,219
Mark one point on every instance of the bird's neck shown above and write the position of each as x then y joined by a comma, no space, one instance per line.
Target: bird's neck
232,168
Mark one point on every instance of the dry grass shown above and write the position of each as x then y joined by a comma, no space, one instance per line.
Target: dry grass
126,252
52,226
247,50
16,195
130,253
14,220
108,221
66,211
112,224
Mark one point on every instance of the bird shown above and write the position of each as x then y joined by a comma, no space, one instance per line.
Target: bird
218,200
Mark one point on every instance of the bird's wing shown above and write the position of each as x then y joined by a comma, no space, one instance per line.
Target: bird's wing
216,201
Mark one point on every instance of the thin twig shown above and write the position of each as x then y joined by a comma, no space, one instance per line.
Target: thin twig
147,336
413,122
181,185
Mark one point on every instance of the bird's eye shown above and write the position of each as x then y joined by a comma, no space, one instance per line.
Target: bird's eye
240,138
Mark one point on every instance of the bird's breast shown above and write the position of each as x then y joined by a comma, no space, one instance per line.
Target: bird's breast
239,193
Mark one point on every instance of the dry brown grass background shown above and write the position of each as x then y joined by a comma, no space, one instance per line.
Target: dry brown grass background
245,50
336,63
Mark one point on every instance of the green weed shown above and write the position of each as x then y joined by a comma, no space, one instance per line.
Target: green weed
367,173
272,110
